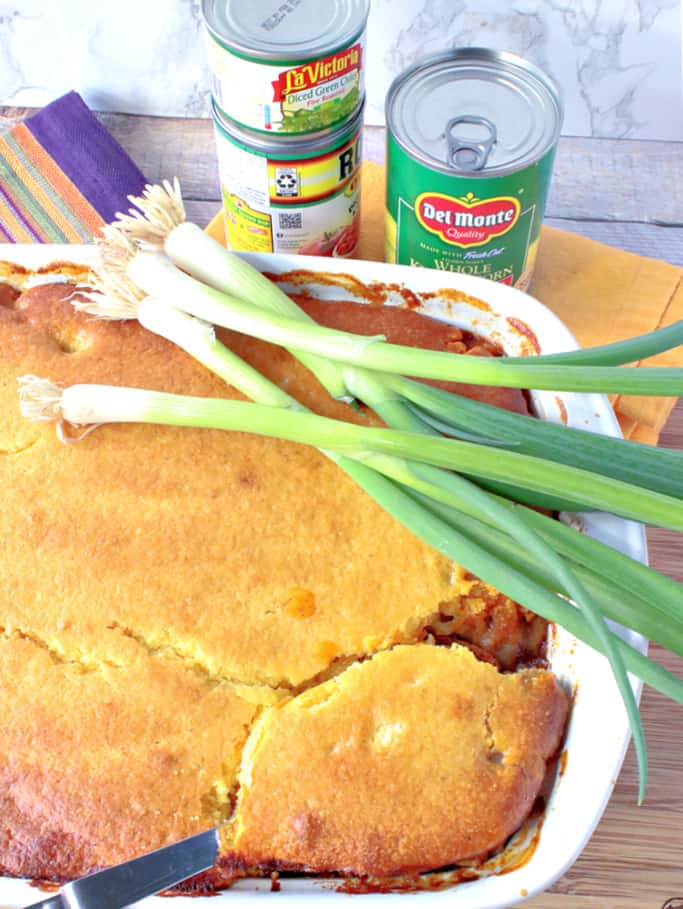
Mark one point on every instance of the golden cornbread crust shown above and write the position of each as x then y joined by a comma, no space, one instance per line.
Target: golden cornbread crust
192,540
105,759
417,758
172,599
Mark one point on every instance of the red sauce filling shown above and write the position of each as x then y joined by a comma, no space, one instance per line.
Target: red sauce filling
8,295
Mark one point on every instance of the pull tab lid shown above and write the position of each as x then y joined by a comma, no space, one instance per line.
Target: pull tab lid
469,153
483,87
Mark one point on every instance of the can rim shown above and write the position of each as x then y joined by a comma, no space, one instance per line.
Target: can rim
269,133
270,55
475,54
288,145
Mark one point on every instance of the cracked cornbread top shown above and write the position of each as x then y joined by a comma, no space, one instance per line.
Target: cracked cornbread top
163,586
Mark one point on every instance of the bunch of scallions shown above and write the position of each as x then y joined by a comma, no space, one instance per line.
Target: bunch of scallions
452,470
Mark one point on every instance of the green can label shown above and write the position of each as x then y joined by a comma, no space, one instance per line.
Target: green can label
476,225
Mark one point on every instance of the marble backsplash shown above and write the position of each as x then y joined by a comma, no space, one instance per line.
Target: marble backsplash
618,61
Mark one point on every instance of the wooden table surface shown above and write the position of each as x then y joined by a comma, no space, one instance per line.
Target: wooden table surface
629,194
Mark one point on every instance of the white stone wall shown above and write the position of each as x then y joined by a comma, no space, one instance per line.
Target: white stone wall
618,61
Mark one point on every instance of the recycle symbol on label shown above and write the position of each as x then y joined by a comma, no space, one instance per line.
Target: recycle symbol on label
286,181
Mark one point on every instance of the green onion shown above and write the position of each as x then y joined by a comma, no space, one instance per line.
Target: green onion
615,567
603,493
199,340
592,490
156,275
619,352
657,469
507,490
191,249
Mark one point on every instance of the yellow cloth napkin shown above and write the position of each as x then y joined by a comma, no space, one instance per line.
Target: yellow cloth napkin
602,294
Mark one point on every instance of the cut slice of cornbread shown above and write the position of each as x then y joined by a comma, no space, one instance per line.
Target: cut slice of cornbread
417,758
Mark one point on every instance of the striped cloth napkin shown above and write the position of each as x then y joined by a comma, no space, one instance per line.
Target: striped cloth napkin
62,176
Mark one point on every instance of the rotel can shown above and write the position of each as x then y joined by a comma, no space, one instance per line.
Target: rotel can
286,67
471,137
291,194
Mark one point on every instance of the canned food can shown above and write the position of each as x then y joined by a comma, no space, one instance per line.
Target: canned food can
293,195
290,67
471,137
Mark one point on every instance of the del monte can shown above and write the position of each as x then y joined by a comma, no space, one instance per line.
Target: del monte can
286,67
471,138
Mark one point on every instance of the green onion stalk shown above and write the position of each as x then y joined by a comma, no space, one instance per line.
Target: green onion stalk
591,490
159,224
657,469
619,352
653,468
155,274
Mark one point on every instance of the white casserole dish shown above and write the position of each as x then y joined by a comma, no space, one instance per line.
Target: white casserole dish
582,790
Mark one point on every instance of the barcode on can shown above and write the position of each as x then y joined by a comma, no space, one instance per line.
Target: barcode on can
290,220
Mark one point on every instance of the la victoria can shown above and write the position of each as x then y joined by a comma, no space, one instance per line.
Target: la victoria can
295,67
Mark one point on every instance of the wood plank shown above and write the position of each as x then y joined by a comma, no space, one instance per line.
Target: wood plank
653,240
618,180
201,212
594,179
551,900
167,147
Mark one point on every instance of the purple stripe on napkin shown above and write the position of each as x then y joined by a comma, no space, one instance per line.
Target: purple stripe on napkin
87,154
